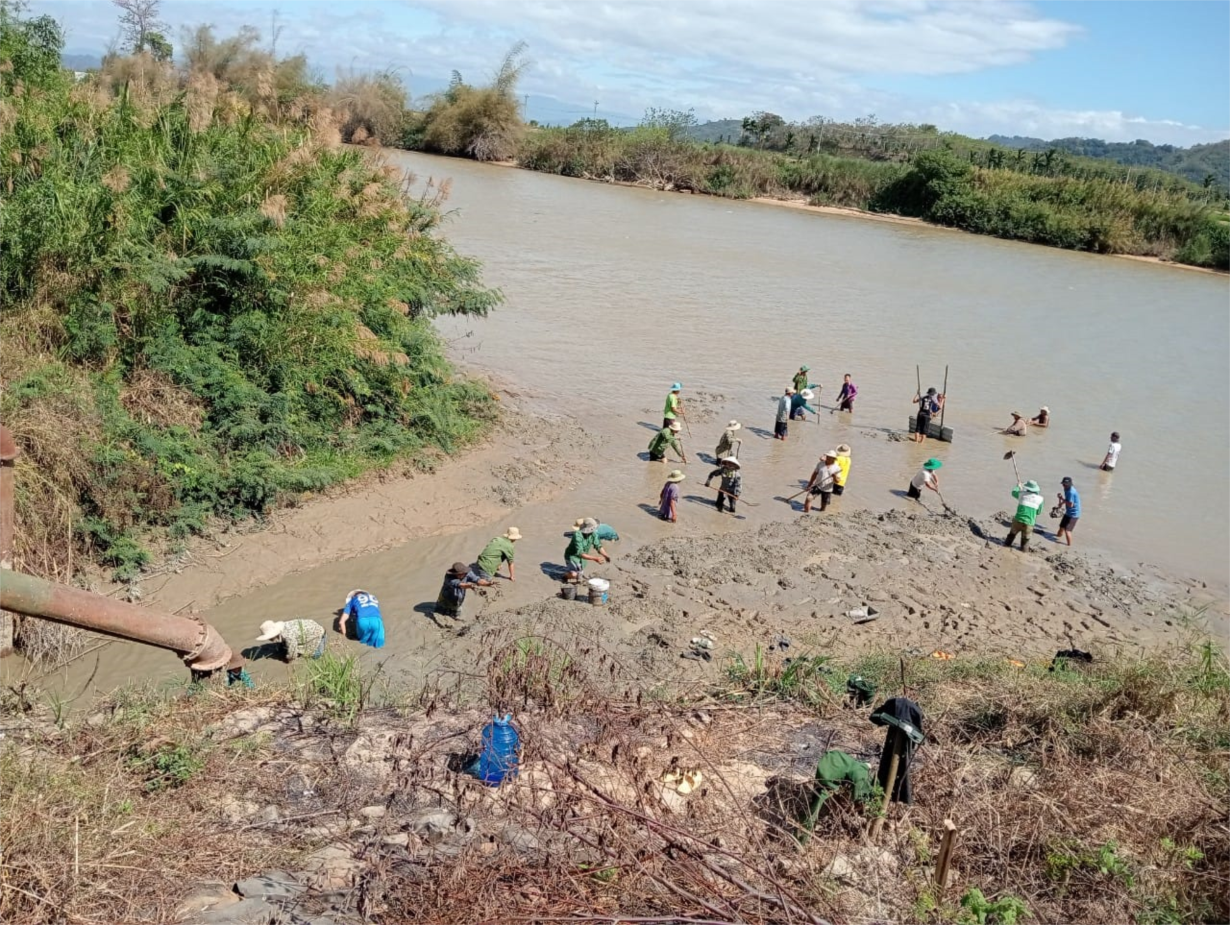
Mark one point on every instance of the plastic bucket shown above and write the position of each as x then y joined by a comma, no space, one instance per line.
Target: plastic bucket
597,598
568,591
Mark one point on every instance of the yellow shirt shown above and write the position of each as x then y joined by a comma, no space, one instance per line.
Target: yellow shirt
844,463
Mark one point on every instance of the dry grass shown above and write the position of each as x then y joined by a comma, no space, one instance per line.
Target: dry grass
1123,817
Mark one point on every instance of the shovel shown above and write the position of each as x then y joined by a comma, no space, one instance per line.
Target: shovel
947,509
1011,454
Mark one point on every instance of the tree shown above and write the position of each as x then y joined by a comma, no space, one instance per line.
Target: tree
677,122
158,46
31,46
139,20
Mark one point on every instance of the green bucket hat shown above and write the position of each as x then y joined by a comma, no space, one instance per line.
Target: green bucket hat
1031,485
933,464
805,369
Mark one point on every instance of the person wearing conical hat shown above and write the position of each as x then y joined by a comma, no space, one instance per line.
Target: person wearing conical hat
668,500
726,446
821,482
604,532
584,546
843,461
799,407
499,550
294,638
926,477
730,471
457,581
667,438
1029,502
674,405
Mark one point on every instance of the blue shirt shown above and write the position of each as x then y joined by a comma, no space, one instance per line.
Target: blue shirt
364,610
1072,500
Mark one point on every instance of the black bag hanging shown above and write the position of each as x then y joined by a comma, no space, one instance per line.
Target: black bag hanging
904,718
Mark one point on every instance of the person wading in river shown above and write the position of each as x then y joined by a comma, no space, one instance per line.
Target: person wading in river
1029,502
926,477
1017,428
822,480
1043,418
781,426
499,550
666,438
674,405
731,485
726,446
928,405
799,407
584,546
668,500
1111,459
800,379
845,398
457,581
843,462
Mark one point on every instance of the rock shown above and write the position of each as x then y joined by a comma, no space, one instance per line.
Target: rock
333,867
674,801
435,825
204,898
96,720
245,912
273,884
841,868
399,840
270,814
520,839
1022,778
373,812
241,722
235,810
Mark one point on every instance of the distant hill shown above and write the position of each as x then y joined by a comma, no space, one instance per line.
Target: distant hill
727,130
75,62
1194,163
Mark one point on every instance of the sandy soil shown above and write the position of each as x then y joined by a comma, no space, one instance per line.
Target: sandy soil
528,459
940,583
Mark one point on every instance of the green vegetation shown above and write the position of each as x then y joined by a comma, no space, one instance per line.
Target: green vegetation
1004,910
337,683
209,306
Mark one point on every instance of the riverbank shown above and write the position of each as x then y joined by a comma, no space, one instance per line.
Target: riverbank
1080,793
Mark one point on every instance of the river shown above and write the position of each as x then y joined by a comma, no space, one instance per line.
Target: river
612,293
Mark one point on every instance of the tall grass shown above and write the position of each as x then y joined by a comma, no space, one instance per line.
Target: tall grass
205,310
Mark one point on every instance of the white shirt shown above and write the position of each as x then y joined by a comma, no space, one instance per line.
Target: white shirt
923,477
823,476
1112,454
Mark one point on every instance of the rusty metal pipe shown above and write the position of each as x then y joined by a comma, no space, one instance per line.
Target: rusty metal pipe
195,641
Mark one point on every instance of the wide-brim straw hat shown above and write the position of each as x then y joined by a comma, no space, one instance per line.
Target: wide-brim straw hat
270,629
512,533
676,475
730,461
933,464
1017,414
675,426
829,454
1046,409
734,425
843,449
790,390
588,525
808,394
1031,485
460,569
578,523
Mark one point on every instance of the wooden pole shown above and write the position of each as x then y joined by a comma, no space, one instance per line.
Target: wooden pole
893,763
945,405
945,858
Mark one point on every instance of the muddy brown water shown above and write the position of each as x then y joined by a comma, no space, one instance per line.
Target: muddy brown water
612,293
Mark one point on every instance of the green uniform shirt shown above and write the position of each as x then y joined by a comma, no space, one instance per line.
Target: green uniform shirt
1028,506
663,439
672,406
579,545
800,381
498,550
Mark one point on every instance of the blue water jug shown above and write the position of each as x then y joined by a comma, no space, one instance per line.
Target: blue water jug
500,754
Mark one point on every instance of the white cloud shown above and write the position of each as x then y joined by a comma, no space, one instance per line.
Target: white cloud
725,57
1023,117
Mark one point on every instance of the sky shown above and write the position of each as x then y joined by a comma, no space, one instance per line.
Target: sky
1153,69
